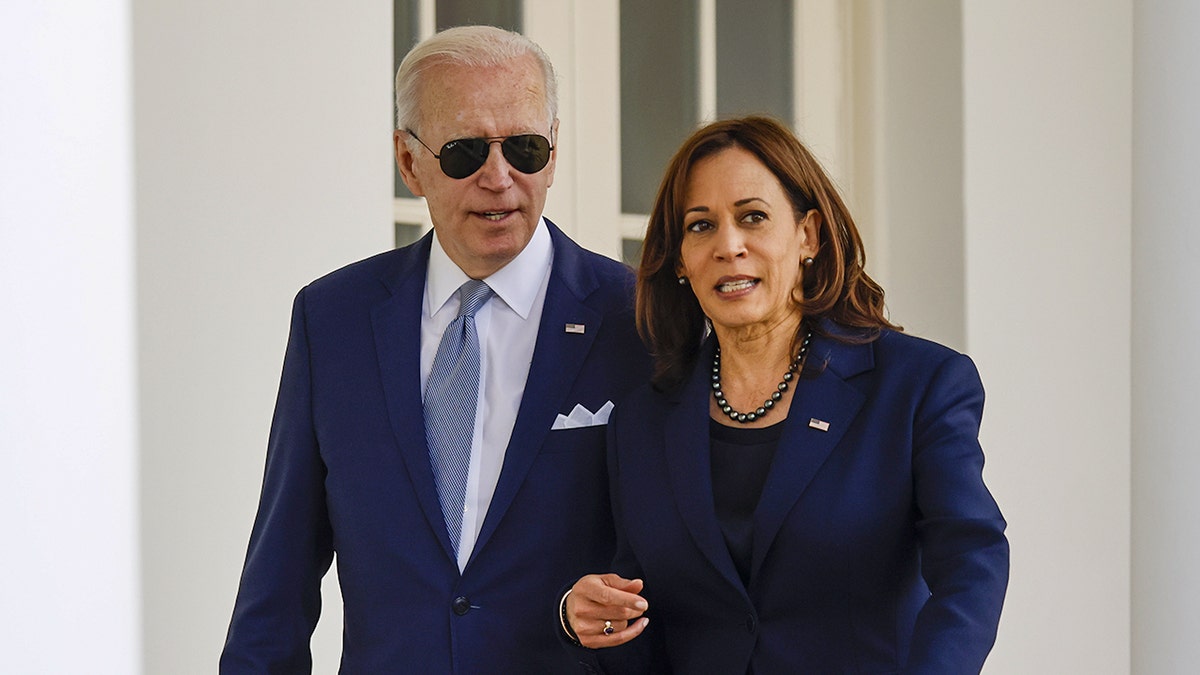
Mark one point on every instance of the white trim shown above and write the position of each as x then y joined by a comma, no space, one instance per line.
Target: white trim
633,225
426,18
706,60
411,212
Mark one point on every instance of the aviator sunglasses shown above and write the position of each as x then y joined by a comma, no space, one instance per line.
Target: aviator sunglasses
527,153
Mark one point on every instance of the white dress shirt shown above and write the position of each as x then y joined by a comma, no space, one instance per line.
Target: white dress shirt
507,325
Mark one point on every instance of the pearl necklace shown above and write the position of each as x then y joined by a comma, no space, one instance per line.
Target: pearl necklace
767,405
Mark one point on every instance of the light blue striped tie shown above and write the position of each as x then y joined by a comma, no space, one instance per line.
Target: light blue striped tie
450,397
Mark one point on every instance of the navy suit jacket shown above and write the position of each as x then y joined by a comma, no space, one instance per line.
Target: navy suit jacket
877,548
348,471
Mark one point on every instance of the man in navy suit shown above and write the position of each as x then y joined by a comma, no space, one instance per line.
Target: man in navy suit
349,468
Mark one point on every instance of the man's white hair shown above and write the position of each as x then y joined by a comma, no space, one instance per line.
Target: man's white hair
476,46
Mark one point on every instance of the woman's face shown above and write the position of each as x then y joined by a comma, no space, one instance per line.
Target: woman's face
742,244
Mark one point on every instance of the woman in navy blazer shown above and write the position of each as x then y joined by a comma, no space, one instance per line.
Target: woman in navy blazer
800,488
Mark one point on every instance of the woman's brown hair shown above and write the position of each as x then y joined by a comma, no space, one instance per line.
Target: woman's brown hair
835,287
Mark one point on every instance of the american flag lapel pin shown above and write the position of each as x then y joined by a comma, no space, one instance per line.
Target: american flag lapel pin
819,425
576,328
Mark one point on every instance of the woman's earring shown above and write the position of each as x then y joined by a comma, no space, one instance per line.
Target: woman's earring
683,281
807,262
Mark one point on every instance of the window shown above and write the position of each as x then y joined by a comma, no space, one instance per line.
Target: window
636,77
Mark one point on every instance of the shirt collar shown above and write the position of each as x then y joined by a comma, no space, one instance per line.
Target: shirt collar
517,283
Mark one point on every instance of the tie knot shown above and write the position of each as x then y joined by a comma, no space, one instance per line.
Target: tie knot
472,295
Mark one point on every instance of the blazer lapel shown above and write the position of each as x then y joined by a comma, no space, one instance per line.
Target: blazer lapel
557,358
821,411
689,466
397,325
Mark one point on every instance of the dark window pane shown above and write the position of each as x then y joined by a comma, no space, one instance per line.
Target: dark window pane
658,92
404,36
502,13
754,58
407,233
631,252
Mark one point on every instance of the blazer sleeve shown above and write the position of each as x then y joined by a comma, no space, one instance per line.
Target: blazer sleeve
964,553
645,653
291,548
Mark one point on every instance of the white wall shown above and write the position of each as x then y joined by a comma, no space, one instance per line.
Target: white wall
263,161
68,418
1166,321
1047,137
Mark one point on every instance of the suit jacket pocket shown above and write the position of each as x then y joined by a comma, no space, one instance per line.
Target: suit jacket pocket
579,439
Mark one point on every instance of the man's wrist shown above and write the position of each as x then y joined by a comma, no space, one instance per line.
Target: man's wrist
565,622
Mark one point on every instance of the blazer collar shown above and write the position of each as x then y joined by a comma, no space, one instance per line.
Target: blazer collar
689,466
821,412
397,325
557,359
823,408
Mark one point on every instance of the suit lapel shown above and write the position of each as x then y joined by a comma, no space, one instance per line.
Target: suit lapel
397,325
557,358
689,466
804,446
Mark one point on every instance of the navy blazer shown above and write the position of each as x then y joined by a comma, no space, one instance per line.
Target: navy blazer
877,548
348,472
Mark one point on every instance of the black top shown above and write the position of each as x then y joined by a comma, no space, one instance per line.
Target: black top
740,461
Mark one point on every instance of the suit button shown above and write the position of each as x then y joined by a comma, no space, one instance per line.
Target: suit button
751,624
461,605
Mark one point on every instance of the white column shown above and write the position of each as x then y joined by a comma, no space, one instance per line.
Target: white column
1047,190
1166,324
264,160
68,417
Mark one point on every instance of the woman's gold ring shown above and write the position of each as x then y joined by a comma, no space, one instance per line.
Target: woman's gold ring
608,628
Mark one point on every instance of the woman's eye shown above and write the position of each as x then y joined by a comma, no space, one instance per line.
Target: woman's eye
754,217
698,226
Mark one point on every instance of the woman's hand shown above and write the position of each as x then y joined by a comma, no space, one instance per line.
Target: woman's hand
602,608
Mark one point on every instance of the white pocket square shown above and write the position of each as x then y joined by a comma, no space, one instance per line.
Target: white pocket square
582,417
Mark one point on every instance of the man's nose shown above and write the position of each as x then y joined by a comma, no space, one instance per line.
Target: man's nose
496,172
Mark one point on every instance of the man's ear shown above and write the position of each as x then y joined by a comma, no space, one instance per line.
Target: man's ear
404,162
553,153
